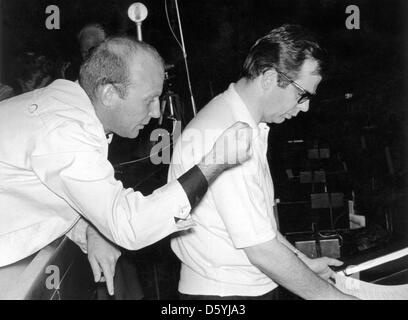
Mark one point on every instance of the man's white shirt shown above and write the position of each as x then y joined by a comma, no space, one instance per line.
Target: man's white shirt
235,213
54,170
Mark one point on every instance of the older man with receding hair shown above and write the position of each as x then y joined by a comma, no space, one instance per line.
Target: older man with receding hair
54,172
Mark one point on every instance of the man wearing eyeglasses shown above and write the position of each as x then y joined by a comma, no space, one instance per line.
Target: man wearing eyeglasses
235,250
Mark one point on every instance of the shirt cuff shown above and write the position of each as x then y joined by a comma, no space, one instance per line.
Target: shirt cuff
78,234
182,217
194,184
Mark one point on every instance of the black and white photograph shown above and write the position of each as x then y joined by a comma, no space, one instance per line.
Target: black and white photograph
192,151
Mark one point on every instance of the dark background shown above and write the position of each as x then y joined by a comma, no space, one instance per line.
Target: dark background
371,62
218,35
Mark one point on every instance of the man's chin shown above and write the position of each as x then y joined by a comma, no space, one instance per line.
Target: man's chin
133,134
278,120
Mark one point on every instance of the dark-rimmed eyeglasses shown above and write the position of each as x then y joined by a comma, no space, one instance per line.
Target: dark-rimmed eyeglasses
304,94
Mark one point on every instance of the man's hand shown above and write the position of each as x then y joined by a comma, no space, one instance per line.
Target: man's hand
279,263
321,266
102,255
232,148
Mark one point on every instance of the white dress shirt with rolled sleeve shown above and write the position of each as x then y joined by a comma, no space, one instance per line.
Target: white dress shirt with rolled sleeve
236,212
54,172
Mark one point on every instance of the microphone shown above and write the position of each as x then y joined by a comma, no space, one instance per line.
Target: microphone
137,12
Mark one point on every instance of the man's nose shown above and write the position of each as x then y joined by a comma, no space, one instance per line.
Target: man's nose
304,106
155,109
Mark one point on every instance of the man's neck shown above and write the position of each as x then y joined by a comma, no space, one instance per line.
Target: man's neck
103,117
246,89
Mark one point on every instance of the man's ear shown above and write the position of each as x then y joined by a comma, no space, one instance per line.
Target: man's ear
269,79
109,95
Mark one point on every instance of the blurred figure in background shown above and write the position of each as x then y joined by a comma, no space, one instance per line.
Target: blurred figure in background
36,71
90,36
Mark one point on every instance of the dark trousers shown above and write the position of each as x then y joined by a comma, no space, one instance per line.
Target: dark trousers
271,295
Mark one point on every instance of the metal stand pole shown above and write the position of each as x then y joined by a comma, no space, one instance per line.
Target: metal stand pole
185,60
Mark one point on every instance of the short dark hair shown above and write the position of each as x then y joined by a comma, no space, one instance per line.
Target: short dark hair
284,48
109,63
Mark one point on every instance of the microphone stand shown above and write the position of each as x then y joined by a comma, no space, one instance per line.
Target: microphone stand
139,31
185,59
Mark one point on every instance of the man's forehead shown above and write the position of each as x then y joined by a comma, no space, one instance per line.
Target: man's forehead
310,67
147,71
309,75
145,61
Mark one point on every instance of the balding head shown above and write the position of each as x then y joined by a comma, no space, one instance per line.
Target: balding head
110,63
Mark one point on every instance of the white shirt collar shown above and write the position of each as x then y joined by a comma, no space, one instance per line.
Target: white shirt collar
241,111
109,137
